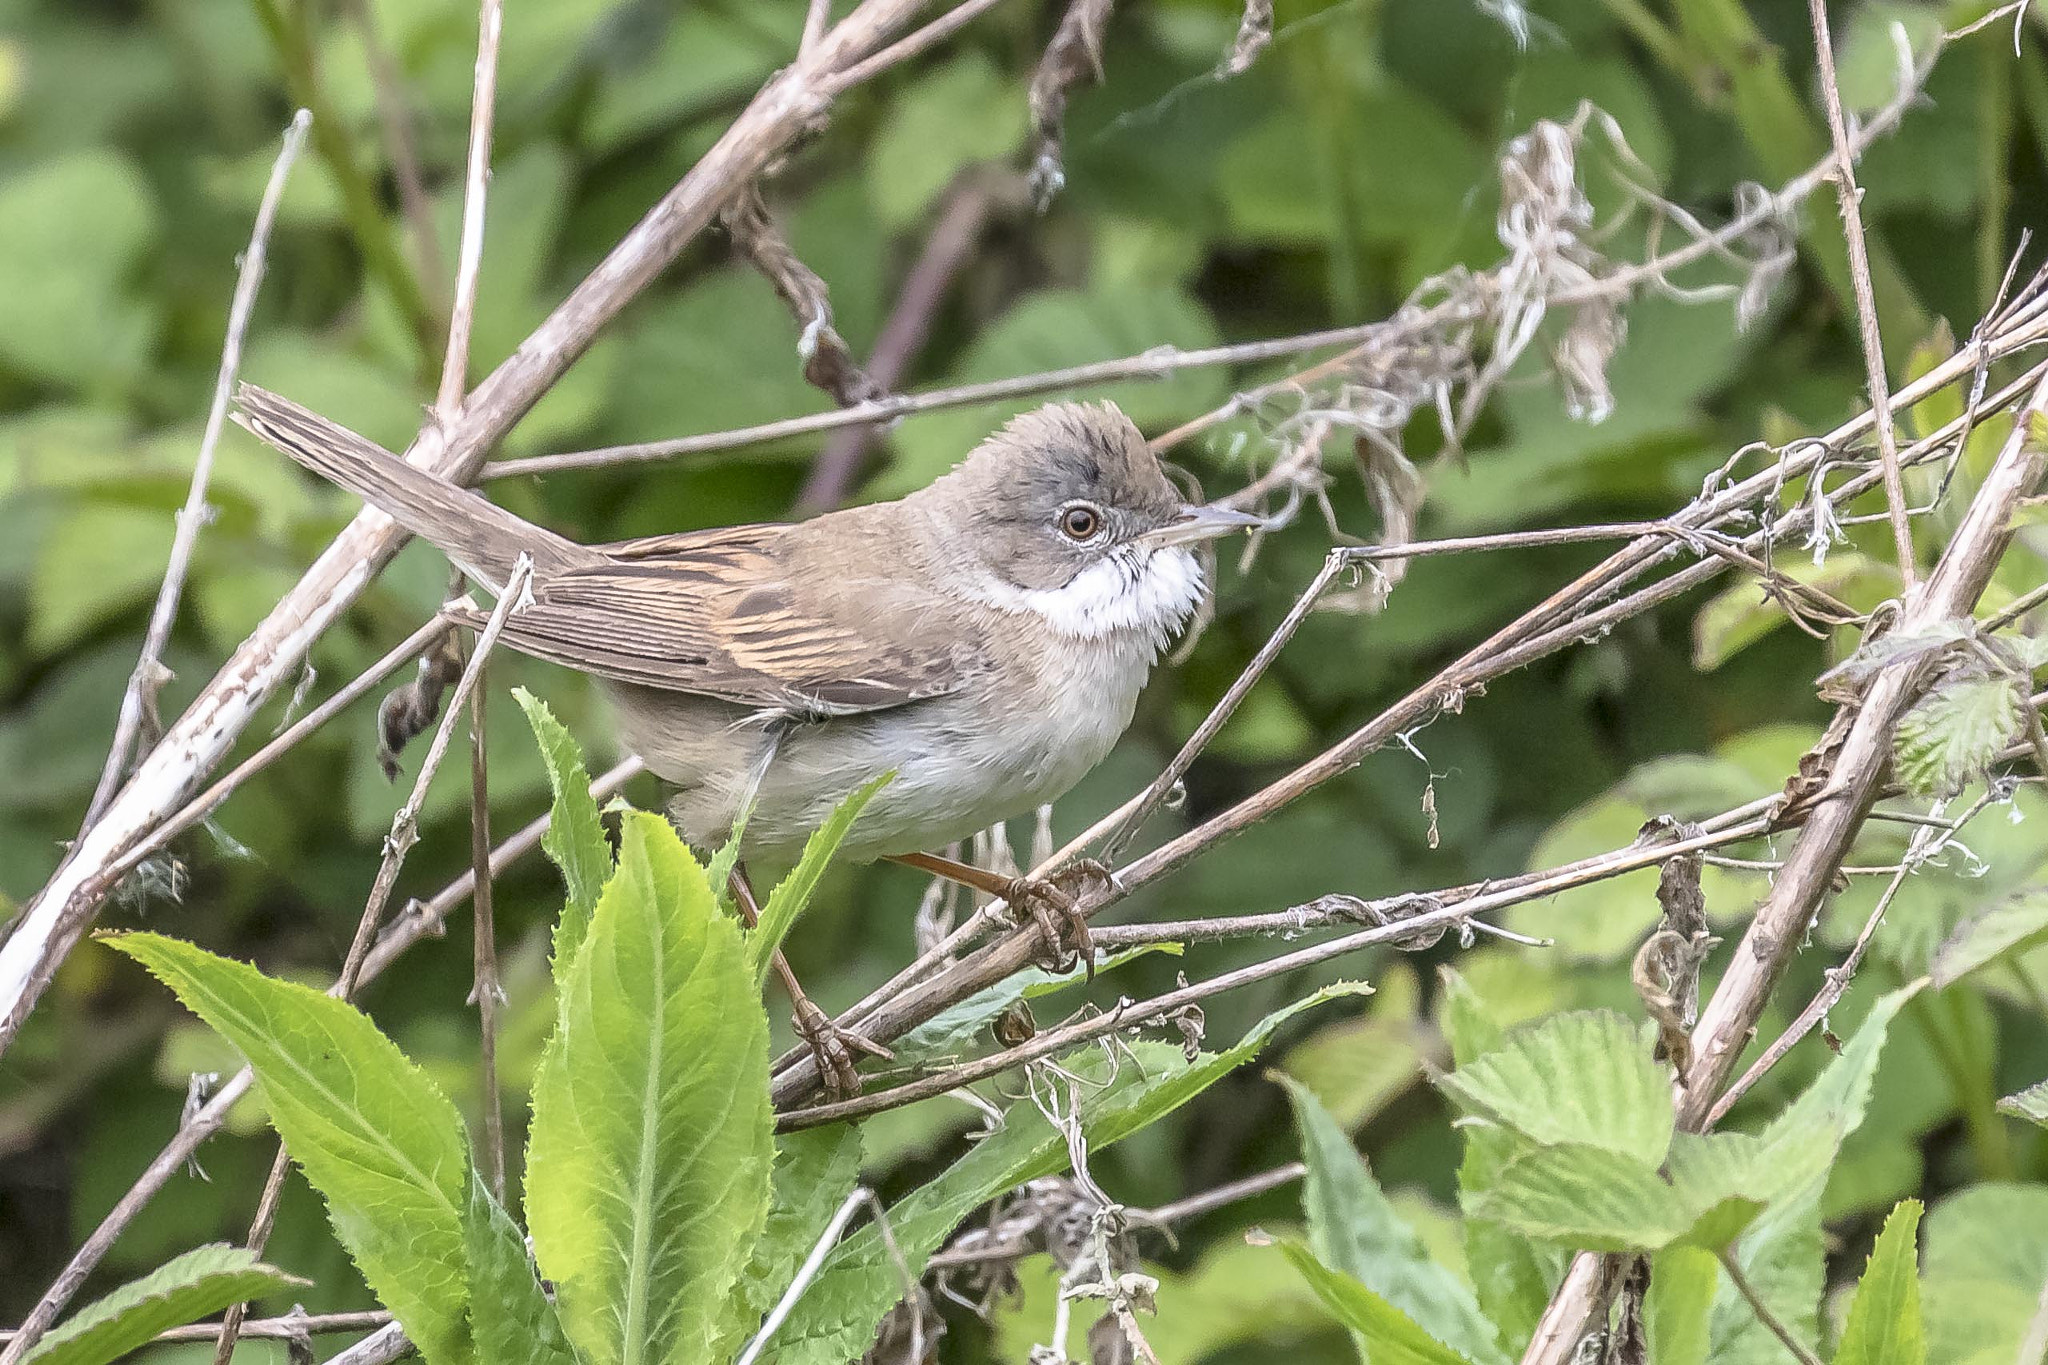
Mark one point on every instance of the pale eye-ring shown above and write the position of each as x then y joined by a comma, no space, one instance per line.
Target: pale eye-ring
1081,522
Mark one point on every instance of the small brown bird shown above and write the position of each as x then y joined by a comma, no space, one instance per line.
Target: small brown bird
985,637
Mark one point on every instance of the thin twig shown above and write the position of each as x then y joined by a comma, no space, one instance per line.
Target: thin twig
286,1328
808,1271
404,834
816,15
1866,300
381,1347
138,703
908,46
1764,1315
489,995
476,186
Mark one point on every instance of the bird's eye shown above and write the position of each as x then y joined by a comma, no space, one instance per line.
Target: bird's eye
1081,522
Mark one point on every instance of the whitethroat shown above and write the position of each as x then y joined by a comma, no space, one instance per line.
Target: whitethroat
984,638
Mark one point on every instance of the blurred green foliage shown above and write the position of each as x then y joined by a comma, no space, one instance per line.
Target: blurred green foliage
1354,160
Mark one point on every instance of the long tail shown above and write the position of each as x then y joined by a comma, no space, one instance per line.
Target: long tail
482,538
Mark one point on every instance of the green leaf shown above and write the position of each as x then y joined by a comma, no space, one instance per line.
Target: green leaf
1986,1259
510,1318
814,1173
2030,1104
836,1318
1587,1198
1999,930
1955,731
371,1132
184,1289
1682,1281
575,839
71,232
951,117
1352,1228
1391,1336
1884,1318
647,1173
1583,1077
793,892
719,870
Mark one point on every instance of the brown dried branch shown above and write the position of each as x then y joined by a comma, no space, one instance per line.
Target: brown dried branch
1848,773
827,360
1074,55
487,995
1851,200
476,185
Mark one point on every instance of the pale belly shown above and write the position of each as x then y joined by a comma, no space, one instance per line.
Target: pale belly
962,762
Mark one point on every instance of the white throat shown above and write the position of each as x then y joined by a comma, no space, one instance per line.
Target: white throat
1150,593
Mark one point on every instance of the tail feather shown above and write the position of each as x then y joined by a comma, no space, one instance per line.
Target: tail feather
482,538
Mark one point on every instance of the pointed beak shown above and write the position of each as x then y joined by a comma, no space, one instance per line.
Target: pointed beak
1201,522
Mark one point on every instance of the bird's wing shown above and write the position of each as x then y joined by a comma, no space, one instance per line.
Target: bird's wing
714,613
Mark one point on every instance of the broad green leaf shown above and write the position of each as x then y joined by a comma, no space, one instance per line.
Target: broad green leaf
953,116
1352,1228
1954,731
2030,1104
1744,613
647,1173
72,230
1986,1260
2012,925
1583,1077
1358,1065
1682,1282
836,1318
1587,1198
575,838
1468,1026
1801,1142
793,892
372,1133
184,1289
510,1319
1883,1327
1391,1336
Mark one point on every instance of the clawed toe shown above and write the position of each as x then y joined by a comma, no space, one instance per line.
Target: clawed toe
833,1048
1062,927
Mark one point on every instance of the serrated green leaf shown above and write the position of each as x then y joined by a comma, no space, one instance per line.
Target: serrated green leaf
2008,926
1391,1336
836,1318
1588,1198
371,1132
510,1319
793,892
720,869
647,1173
2030,1104
1883,1327
1954,732
1468,1026
2030,650
1682,1283
575,839
1352,1228
1582,1077
186,1288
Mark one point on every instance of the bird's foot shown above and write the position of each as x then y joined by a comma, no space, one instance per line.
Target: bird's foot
1055,905
833,1048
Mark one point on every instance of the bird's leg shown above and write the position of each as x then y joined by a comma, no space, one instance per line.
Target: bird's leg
832,1046
1052,907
